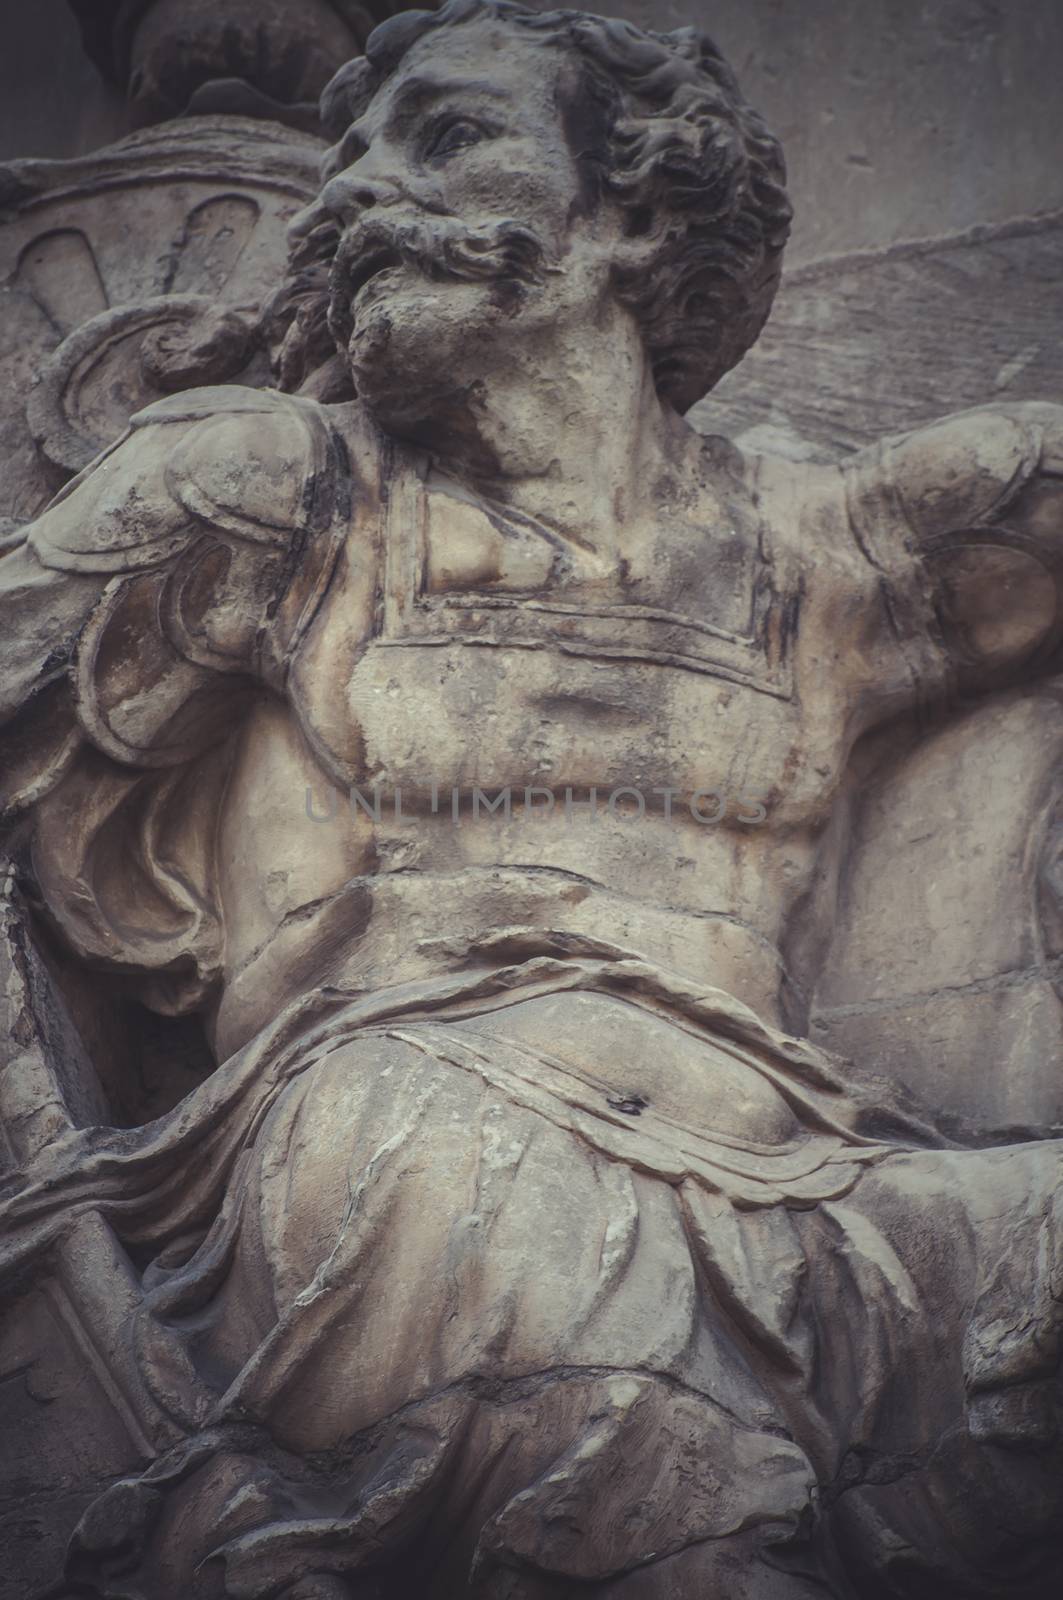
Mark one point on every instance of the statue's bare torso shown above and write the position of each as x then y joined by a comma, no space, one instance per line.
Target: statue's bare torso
425,654
488,658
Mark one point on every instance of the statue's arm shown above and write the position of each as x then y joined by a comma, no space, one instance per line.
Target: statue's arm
171,576
964,519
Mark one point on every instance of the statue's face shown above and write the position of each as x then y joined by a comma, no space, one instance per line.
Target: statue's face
468,234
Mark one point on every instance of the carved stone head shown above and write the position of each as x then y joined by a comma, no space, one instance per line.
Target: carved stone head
497,169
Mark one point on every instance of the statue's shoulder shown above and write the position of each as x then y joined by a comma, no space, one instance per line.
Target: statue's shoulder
960,472
880,511
253,464
800,503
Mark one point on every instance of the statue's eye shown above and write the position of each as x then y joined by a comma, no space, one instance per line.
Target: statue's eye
454,134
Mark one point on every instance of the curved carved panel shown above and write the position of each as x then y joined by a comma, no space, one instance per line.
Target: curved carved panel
216,235
58,270
127,274
120,361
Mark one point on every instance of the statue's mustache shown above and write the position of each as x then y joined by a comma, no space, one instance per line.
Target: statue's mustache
440,247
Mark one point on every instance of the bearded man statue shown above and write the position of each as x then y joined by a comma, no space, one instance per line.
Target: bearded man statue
520,1244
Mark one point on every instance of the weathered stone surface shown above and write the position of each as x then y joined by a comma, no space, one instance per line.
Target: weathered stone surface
949,826
450,802
870,343
131,272
944,966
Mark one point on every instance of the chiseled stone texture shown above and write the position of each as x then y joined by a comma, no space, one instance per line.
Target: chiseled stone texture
529,929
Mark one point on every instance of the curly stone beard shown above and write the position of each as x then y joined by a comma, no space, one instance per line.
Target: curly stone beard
396,308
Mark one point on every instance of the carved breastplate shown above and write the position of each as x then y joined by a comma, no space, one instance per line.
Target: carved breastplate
472,579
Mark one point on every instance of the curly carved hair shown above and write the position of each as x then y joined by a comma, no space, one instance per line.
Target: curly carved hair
667,133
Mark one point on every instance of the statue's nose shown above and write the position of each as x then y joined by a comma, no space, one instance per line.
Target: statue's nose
350,193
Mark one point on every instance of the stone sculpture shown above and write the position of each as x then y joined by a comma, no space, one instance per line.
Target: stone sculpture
459,736
257,58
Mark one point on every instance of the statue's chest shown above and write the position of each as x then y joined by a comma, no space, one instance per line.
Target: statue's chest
707,601
501,653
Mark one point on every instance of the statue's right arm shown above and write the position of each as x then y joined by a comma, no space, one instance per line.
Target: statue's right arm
961,523
177,570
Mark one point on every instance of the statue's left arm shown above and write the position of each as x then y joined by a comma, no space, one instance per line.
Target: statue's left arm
964,519
161,597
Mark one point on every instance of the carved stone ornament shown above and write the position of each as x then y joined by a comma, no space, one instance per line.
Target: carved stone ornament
530,931
128,273
268,58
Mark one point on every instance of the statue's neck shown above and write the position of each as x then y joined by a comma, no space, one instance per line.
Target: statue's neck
580,448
